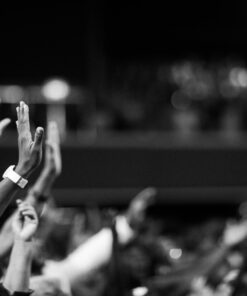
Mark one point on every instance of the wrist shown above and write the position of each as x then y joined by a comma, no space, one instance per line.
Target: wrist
47,178
23,170
23,247
15,177
19,240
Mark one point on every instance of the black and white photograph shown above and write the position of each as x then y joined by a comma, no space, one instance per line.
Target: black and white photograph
123,148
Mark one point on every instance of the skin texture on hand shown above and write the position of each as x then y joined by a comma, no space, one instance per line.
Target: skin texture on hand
25,222
42,186
30,151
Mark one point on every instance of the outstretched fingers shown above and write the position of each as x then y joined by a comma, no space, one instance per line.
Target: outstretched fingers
53,133
23,122
38,138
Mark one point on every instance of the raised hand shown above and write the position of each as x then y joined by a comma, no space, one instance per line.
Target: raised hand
53,162
30,151
25,222
3,124
41,190
235,233
138,206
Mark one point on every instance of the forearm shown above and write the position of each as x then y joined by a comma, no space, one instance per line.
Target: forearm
19,269
40,192
44,183
6,238
7,191
8,188
93,254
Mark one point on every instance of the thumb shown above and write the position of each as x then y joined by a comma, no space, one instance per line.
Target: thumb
27,219
38,137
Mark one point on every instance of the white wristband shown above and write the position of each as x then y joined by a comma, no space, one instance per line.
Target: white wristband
14,177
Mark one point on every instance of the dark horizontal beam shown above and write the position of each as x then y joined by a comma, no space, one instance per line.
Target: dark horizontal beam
113,172
165,197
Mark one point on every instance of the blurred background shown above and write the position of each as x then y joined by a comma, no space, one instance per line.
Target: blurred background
145,95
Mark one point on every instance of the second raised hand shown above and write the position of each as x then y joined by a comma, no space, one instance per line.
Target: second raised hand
30,151
53,161
41,190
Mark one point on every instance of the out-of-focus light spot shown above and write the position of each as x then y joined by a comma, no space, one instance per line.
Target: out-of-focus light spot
182,74
231,275
12,93
140,291
242,78
235,260
175,253
234,77
238,77
186,121
180,101
56,90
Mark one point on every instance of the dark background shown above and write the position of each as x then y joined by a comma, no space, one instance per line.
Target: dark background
82,41
63,38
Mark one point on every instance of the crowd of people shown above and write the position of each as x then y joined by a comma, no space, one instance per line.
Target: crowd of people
191,95
185,97
45,250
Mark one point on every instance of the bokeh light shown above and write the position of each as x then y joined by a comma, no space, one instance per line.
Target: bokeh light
56,90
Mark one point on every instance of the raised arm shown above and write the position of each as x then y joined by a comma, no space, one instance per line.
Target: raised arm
30,152
25,225
97,250
41,190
